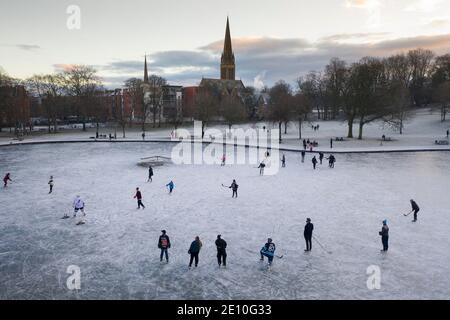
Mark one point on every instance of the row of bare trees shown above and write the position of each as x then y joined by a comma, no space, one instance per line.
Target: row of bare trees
371,89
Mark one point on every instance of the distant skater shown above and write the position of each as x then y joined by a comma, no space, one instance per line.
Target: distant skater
223,160
307,233
234,186
78,205
170,185
138,196
331,161
304,144
268,251
194,250
283,161
221,251
331,143
150,174
320,157
303,155
164,245
6,179
384,233
143,135
261,167
415,208
50,184
314,162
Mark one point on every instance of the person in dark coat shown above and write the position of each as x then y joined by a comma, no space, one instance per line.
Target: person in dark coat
331,161
314,162
194,250
331,143
307,233
320,157
384,233
221,251
261,167
164,245
283,161
138,196
6,179
415,208
150,174
304,144
234,186
303,155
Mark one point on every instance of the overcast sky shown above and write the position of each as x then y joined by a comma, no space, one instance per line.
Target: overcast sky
183,39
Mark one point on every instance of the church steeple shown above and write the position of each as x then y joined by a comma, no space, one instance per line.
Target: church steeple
227,64
145,70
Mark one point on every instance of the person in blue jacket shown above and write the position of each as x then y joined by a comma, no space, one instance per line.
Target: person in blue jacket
170,185
268,251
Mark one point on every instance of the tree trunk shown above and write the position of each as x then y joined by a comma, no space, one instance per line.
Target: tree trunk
123,130
300,128
285,128
350,127
401,125
279,131
361,125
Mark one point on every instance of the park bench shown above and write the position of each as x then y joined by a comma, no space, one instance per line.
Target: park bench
339,138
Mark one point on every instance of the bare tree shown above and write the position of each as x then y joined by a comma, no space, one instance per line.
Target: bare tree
153,98
420,61
280,104
81,82
335,78
301,107
133,88
232,109
206,107
442,95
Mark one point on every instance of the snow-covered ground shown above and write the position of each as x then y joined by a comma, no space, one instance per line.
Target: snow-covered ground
117,248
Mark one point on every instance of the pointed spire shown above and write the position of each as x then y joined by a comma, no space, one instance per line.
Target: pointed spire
145,70
227,66
227,49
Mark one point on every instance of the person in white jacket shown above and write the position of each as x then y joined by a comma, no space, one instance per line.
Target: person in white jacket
78,204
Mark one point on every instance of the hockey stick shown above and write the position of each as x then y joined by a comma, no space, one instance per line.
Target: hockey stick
225,186
408,213
329,252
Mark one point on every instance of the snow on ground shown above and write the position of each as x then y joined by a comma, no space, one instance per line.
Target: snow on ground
117,248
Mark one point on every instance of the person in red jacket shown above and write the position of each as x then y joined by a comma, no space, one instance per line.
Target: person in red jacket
5,180
138,196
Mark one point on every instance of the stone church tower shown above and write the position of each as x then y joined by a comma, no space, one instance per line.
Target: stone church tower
227,64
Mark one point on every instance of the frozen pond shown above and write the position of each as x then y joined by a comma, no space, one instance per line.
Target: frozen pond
117,252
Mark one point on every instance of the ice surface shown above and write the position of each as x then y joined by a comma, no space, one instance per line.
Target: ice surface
117,248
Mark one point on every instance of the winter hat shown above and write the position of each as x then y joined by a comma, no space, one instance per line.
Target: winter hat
308,220
163,231
384,221
218,236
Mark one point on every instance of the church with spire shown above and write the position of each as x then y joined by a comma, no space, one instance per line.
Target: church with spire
227,84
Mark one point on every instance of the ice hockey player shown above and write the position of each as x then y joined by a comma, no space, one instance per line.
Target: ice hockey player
194,250
138,196
5,180
415,208
221,251
234,186
384,233
261,167
164,245
50,183
314,162
320,157
268,251
224,158
170,185
307,233
283,161
78,205
150,174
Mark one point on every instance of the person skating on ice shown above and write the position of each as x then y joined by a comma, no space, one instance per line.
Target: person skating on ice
78,205
50,184
331,160
384,233
414,208
170,185
221,251
138,196
194,250
314,162
234,186
303,155
261,167
6,179
307,233
224,158
164,245
150,174
283,161
268,251
320,157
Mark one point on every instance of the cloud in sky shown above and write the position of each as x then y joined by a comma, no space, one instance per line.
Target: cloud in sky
423,5
263,61
26,47
372,7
